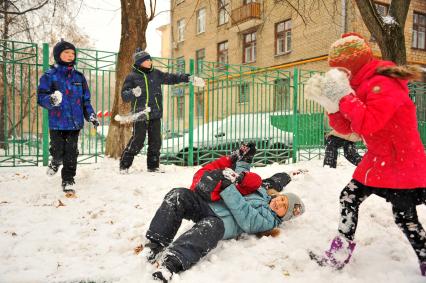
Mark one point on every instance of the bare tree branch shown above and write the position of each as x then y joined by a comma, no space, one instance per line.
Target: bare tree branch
23,12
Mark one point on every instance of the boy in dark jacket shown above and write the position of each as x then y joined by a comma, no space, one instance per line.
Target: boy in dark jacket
64,92
142,88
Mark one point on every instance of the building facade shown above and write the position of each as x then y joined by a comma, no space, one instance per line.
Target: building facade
267,33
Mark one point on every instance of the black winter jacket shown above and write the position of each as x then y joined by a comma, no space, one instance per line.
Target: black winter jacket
149,82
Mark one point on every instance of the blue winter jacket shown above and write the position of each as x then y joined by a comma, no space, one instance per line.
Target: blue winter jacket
75,105
245,214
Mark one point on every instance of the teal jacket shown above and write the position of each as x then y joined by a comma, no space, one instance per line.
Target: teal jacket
245,214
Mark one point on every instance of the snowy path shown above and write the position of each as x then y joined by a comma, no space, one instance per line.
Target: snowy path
93,237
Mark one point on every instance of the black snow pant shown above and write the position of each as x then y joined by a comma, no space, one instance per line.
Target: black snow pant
403,206
64,150
136,143
333,143
191,246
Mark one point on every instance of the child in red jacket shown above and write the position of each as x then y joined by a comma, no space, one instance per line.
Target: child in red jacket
215,176
373,102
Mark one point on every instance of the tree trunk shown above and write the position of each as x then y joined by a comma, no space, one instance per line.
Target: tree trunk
3,78
389,35
134,22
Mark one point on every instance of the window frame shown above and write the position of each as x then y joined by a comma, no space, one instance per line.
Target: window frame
252,45
223,7
283,35
201,22
180,30
198,58
243,92
416,27
220,52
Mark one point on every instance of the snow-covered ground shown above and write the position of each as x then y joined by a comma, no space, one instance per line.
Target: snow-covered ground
93,236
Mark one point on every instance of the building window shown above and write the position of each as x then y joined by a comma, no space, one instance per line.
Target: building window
181,30
222,53
281,94
243,92
180,65
180,106
199,103
249,47
283,37
201,20
223,11
200,55
419,31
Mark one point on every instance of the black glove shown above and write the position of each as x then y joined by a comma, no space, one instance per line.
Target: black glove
94,120
245,153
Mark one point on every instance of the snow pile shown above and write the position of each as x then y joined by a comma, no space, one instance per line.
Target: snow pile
45,237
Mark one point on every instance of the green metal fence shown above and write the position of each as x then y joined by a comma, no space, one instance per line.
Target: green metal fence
238,103
20,118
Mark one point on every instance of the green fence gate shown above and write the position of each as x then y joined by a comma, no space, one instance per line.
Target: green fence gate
239,103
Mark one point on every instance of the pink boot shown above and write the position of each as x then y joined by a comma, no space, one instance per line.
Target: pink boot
338,255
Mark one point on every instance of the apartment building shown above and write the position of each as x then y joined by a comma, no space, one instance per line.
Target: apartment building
267,33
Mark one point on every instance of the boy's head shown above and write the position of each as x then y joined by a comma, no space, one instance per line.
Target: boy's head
351,52
142,59
64,53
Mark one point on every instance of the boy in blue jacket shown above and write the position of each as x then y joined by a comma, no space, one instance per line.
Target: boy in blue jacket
228,218
64,92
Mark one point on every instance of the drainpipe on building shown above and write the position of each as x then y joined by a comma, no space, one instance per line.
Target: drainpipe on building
343,23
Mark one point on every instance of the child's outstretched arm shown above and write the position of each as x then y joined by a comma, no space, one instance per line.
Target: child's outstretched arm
171,79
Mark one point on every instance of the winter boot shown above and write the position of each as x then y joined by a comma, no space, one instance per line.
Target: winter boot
162,274
67,186
169,265
152,251
423,268
52,168
124,171
338,255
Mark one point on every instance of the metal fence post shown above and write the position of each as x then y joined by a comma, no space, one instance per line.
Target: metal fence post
45,113
191,117
295,114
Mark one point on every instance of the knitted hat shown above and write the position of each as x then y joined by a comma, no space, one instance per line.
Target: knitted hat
294,204
59,48
277,181
350,52
140,56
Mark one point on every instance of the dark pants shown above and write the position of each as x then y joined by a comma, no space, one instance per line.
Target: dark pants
403,206
64,150
136,143
333,143
191,246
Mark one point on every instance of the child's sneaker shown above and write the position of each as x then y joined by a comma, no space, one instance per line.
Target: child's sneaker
162,274
52,168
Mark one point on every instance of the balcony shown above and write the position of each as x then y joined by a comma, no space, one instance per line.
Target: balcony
246,16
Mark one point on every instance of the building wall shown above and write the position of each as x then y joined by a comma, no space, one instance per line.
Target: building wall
310,40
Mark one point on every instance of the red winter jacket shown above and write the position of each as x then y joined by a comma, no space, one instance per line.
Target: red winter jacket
384,115
249,184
